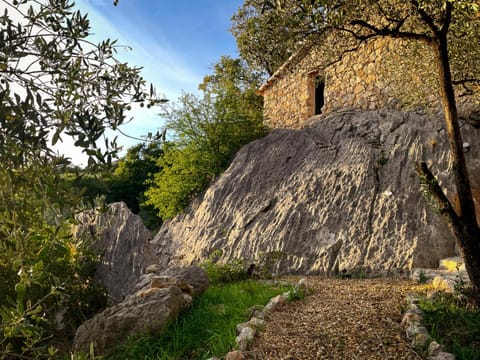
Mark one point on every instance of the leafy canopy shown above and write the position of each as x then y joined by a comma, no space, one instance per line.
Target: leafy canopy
208,132
269,31
125,181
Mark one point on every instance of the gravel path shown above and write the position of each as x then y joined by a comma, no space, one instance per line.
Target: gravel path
340,319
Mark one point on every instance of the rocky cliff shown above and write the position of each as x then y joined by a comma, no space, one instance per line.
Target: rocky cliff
122,243
338,195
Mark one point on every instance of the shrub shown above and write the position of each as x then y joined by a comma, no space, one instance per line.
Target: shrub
453,324
47,287
209,130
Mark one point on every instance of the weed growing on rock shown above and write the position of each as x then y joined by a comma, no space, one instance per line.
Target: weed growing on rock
422,277
241,269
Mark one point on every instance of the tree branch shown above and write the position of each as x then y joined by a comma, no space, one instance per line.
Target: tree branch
447,19
434,192
385,31
465,81
426,18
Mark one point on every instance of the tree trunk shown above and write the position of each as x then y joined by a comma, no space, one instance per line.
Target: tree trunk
464,226
465,236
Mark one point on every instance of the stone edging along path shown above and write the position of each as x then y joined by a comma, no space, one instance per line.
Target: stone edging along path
246,331
416,334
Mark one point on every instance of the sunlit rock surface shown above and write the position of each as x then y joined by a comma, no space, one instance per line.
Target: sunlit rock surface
338,196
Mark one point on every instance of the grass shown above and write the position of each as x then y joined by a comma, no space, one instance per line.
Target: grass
453,325
207,329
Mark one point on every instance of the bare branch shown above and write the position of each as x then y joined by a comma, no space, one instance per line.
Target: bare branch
447,19
426,18
465,81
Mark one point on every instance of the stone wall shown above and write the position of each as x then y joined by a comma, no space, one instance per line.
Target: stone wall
288,103
371,77
360,80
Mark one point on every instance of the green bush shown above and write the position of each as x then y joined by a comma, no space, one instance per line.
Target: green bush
47,288
226,273
453,324
208,132
125,181
241,269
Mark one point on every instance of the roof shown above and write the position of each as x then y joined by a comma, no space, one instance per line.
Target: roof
293,60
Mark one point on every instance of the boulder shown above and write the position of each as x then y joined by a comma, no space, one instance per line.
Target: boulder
150,309
136,315
191,279
340,195
122,242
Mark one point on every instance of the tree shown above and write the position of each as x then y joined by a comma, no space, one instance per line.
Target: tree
125,180
269,31
451,29
208,132
53,83
131,177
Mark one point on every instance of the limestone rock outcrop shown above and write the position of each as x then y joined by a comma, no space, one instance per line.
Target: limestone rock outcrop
149,310
338,195
122,242
136,315
191,279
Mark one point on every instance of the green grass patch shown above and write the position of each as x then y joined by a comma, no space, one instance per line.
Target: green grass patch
207,329
453,325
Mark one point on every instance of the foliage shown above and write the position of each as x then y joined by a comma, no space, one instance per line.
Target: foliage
241,269
452,324
269,32
208,329
53,81
185,173
209,131
125,181
226,273
46,277
132,175
297,293
422,277
135,168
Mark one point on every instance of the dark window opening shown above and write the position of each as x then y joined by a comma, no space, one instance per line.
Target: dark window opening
319,94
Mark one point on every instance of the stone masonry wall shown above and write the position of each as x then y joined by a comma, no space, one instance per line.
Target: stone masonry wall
359,81
363,79
288,104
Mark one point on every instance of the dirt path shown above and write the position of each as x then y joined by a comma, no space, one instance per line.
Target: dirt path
340,319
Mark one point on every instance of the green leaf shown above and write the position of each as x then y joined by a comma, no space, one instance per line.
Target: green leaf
20,289
56,137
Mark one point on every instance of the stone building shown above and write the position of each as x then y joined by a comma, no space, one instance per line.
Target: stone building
370,77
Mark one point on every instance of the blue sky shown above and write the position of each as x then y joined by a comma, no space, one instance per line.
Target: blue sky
175,41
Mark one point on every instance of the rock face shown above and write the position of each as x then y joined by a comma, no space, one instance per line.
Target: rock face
191,279
137,315
123,244
150,309
339,195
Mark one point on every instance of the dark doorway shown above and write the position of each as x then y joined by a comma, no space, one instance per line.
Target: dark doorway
319,94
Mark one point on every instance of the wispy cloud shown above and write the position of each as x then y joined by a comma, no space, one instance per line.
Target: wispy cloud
163,65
